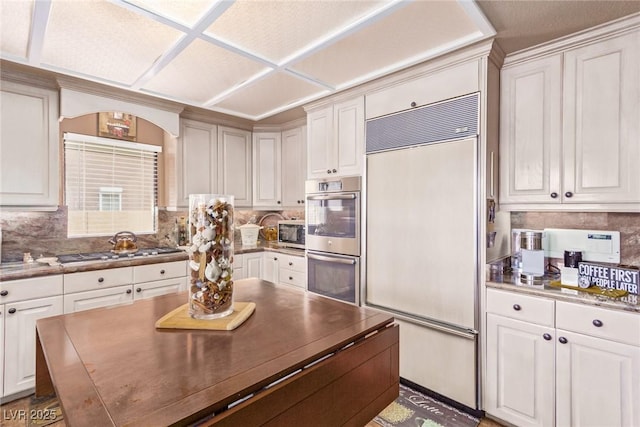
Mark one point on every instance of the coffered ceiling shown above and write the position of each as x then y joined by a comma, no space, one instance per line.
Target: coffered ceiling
256,58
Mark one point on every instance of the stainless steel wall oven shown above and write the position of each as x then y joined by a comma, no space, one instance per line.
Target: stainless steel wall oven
333,237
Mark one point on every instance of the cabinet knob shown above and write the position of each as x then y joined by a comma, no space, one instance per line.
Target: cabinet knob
4,293
138,290
278,202
334,171
100,279
328,170
290,278
290,263
563,340
12,310
162,271
128,291
554,195
568,194
597,323
517,307
413,104
547,337
275,258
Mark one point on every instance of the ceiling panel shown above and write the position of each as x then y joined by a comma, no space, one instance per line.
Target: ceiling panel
103,40
201,72
15,22
396,41
277,29
274,93
184,12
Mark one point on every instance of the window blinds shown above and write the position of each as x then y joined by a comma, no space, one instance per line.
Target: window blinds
110,185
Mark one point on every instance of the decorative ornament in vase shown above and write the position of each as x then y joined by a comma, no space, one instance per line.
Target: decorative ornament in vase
210,255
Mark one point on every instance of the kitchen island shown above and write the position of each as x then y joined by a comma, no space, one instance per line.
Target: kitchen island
299,359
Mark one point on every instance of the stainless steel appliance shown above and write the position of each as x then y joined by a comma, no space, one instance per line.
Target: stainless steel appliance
291,233
333,237
111,256
422,241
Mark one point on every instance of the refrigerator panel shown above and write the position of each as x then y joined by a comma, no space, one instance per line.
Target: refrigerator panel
421,231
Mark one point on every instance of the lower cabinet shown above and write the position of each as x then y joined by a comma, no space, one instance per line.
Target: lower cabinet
253,264
554,363
22,303
20,340
285,269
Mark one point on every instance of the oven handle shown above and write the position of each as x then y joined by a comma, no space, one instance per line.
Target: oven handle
332,259
350,196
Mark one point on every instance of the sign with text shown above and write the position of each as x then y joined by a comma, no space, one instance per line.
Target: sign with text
626,279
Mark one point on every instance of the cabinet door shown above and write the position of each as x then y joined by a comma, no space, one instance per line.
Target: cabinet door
520,372
197,157
267,166
320,145
294,170
234,164
530,132
602,122
28,133
598,381
20,340
348,123
253,265
159,287
81,301
271,262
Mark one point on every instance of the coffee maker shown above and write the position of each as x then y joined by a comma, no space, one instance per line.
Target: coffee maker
528,260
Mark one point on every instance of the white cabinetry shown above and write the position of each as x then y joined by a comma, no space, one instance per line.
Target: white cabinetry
597,366
100,288
285,269
213,160
520,359
159,279
22,303
29,135
570,125
2,316
235,164
279,160
558,363
335,138
253,264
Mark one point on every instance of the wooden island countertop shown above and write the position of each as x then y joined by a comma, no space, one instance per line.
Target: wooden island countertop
299,359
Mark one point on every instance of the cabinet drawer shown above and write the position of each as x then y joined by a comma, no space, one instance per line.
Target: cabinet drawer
293,278
522,307
437,86
164,270
292,262
99,279
81,301
36,287
159,287
614,325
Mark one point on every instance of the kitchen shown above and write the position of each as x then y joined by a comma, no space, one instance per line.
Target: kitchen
256,148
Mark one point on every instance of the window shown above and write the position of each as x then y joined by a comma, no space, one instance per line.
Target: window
110,185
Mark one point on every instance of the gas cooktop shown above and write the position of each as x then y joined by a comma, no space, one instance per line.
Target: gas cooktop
110,256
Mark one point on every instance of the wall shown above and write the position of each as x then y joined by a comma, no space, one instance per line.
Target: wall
628,224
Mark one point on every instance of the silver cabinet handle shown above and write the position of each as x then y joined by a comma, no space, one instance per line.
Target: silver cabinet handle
332,259
349,196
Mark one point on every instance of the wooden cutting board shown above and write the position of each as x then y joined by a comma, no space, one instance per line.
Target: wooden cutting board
180,319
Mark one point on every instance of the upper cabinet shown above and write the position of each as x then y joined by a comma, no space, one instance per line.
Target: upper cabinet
29,136
213,160
279,160
335,138
570,127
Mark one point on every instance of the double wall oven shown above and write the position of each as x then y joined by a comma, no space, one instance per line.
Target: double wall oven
333,237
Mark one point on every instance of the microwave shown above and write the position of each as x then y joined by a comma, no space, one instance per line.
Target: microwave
291,233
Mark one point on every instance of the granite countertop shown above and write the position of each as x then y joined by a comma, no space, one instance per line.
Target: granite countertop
497,279
19,270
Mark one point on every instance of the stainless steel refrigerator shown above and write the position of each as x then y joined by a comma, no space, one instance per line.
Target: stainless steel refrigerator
421,253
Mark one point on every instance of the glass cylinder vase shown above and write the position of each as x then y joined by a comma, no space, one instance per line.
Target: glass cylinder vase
210,255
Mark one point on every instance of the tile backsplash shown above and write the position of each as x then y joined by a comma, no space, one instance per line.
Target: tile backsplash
628,224
45,233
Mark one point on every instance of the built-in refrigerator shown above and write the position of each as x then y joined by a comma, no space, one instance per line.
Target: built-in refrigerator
421,245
